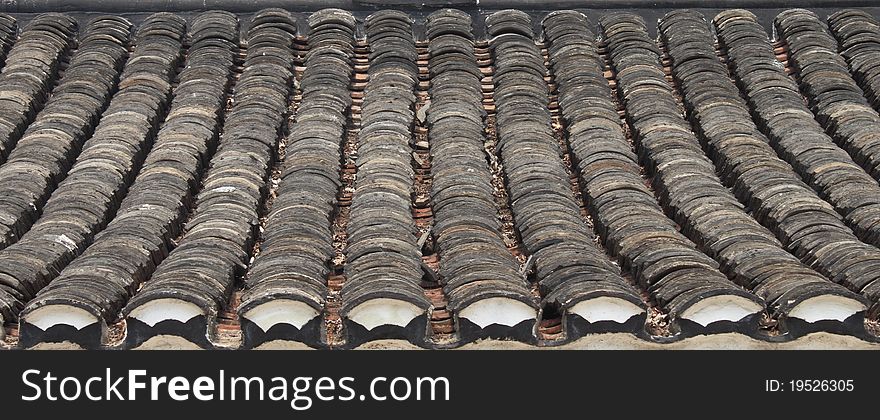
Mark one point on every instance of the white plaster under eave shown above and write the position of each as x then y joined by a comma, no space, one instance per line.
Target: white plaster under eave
281,311
721,308
156,311
826,307
49,316
384,311
606,308
498,310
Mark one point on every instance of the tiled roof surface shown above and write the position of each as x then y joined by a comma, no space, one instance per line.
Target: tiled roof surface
441,177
